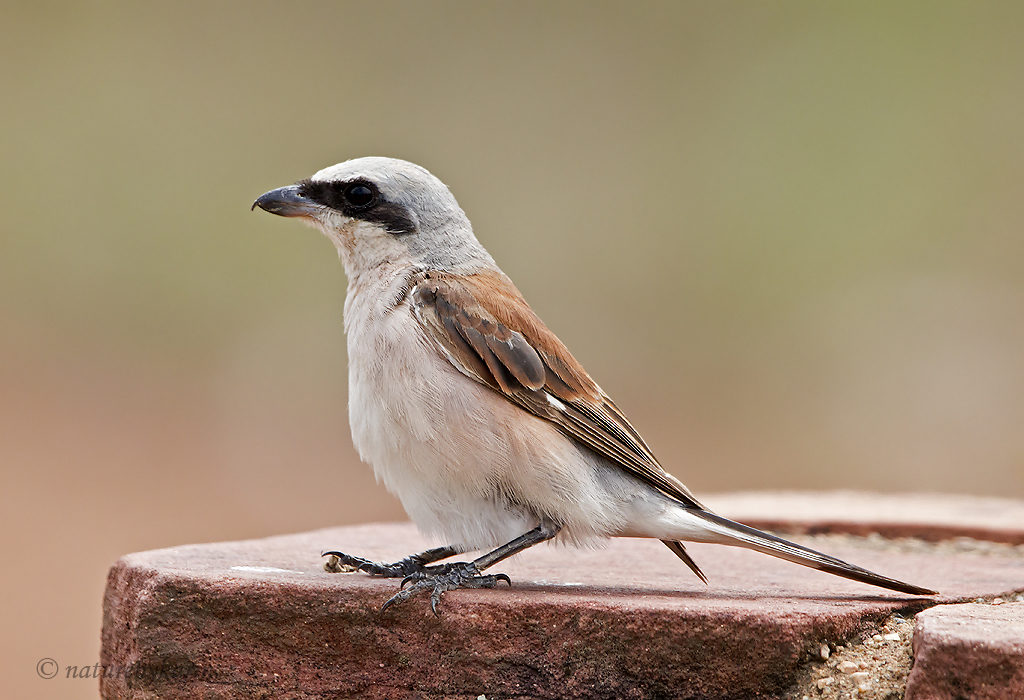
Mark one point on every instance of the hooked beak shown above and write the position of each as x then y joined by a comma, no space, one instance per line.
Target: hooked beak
286,201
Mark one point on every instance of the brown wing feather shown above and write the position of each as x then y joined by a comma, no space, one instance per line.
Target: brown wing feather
488,331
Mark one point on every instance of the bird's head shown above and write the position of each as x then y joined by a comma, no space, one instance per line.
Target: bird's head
383,210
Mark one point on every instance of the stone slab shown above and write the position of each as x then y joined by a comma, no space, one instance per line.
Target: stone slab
262,619
968,651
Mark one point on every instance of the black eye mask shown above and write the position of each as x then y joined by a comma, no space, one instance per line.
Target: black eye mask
360,199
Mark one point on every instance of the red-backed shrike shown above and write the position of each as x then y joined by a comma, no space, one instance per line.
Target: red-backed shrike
471,411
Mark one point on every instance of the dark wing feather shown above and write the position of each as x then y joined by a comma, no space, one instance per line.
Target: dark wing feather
488,332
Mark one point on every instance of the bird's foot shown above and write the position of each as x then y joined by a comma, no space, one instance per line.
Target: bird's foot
340,563
442,578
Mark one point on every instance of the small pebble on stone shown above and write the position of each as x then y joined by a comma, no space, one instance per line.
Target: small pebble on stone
824,682
891,637
876,637
824,652
848,667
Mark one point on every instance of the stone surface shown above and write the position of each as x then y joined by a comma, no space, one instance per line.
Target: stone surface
929,517
262,619
968,651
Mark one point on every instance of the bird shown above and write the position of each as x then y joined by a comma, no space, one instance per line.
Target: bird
470,409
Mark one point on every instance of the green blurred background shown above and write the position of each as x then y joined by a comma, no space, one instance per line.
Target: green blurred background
786,237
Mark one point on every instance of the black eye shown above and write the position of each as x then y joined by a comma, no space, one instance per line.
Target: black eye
359,195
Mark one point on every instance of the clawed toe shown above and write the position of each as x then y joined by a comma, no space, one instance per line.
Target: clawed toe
340,563
441,580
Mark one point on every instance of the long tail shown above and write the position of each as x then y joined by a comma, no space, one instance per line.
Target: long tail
744,536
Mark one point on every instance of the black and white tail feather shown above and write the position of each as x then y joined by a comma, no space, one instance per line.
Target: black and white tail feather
741,535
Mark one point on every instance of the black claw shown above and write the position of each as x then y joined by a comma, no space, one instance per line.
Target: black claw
441,579
396,598
373,568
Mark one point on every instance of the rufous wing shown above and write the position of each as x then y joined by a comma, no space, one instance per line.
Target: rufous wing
486,329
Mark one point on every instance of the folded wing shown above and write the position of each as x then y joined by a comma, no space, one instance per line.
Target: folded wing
488,332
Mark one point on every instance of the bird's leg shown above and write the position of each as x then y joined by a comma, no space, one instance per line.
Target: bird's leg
466,574
340,562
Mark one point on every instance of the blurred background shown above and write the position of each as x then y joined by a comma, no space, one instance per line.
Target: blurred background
786,238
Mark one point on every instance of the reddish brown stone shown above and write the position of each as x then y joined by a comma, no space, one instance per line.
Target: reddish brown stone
968,651
261,619
932,517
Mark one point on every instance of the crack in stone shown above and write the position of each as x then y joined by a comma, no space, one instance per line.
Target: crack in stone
875,663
